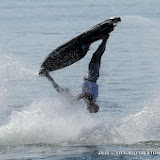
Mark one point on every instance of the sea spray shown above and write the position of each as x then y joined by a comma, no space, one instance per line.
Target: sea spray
46,121
14,78
142,126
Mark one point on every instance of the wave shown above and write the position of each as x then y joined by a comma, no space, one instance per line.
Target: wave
53,121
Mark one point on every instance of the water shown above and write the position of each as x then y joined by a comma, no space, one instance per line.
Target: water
36,123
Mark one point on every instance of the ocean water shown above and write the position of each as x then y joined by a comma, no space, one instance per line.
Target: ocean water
37,123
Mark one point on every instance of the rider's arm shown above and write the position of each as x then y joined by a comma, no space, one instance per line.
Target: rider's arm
86,96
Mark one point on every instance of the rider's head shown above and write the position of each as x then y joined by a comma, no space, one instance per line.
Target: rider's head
92,107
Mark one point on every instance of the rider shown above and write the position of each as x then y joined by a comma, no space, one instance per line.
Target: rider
90,87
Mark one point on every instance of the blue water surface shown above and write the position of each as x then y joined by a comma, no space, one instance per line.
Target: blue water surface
37,123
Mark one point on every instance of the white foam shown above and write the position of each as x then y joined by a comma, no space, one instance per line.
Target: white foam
47,121
143,126
12,68
13,77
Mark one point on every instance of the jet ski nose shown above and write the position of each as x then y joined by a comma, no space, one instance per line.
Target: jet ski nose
114,20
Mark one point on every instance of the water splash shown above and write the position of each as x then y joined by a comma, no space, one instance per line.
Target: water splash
53,121
11,68
14,76
142,126
46,121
